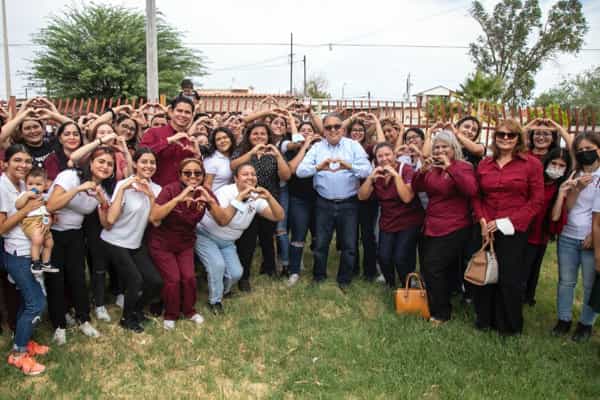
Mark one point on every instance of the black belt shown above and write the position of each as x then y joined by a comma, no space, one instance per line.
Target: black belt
339,201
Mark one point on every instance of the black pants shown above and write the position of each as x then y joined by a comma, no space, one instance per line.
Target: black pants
68,255
139,276
534,255
97,256
500,306
246,244
367,218
441,255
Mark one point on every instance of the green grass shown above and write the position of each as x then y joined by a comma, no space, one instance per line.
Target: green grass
316,342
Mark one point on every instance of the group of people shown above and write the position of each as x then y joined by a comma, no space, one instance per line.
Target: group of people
144,195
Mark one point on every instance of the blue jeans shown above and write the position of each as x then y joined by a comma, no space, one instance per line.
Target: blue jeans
33,301
221,261
398,253
281,231
367,218
343,217
301,217
570,257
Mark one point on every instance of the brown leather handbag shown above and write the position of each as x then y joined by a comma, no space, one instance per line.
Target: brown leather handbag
412,300
483,266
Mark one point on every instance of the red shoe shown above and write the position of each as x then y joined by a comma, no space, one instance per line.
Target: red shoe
36,349
26,364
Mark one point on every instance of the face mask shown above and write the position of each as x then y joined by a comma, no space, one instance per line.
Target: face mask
555,173
586,157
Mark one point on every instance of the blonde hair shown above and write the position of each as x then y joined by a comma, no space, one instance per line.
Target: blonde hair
513,126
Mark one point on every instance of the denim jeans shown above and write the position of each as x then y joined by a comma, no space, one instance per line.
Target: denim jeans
398,253
281,231
570,257
33,301
301,219
343,217
221,261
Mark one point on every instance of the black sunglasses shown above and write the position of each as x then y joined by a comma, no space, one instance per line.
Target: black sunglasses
189,174
506,135
335,127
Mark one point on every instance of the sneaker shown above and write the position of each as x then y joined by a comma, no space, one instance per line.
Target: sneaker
70,320
293,279
47,267
437,322
380,279
60,336
132,325
120,301
36,349
89,330
102,314
582,333
197,318
561,328
244,285
36,268
217,308
25,363
169,324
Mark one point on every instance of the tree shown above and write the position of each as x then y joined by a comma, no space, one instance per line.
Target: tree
316,87
582,90
515,42
480,86
100,50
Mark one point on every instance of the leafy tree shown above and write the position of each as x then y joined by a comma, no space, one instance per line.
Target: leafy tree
582,90
515,43
480,86
316,87
100,50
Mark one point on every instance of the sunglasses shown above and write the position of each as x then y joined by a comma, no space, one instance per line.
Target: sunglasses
335,127
506,135
189,174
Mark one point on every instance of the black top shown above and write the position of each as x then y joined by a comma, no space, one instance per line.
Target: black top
470,157
300,187
39,153
267,173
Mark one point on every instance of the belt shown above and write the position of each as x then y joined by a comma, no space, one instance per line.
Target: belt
339,201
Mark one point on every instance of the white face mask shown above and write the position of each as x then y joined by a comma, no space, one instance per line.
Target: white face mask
554,172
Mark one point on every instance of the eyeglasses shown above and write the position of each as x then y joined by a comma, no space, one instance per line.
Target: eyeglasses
415,137
542,134
335,127
506,135
189,174
128,127
358,130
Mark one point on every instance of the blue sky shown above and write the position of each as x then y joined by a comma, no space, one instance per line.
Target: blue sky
355,71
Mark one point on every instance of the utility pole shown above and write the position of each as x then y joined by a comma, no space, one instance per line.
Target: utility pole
5,48
304,61
151,52
291,63
408,86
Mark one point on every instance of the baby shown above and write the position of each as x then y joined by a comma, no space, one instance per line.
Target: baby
36,225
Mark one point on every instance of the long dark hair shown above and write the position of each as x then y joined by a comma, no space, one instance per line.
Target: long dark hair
212,140
58,147
592,137
85,173
245,144
554,145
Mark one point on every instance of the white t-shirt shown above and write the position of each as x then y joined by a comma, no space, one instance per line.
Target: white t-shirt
15,240
579,218
218,165
83,203
596,183
239,222
128,230
38,211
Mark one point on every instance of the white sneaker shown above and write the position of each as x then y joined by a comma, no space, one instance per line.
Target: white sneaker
102,314
60,336
197,318
89,330
169,324
380,279
120,302
293,279
70,320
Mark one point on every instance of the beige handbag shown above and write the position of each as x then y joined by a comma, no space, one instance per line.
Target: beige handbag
483,266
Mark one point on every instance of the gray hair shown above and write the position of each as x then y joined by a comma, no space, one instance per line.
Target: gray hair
450,138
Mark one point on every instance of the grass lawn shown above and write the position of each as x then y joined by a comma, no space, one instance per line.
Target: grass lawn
316,342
